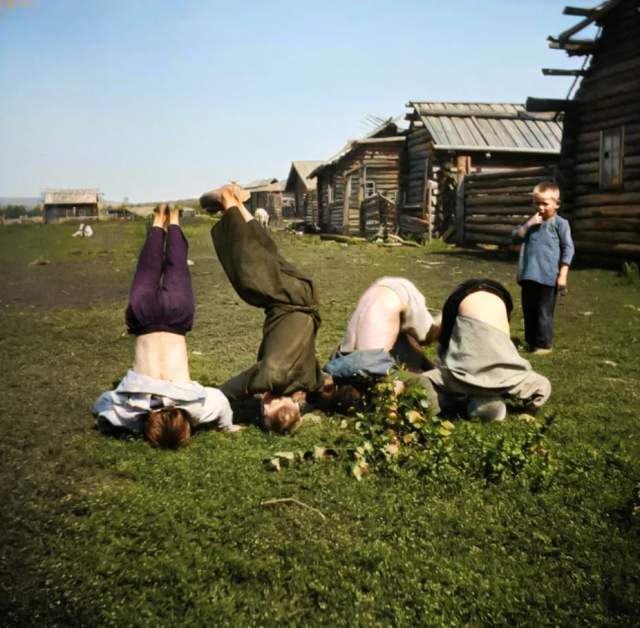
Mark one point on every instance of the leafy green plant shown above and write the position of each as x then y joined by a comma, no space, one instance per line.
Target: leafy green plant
631,273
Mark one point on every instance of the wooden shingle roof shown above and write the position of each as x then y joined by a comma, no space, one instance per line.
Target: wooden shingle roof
497,127
302,169
70,197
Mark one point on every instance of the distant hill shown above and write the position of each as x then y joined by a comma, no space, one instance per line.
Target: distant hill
27,201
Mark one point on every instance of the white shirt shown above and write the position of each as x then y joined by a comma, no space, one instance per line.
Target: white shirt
138,394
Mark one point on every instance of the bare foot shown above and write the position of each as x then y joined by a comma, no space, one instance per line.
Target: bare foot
174,215
160,216
223,198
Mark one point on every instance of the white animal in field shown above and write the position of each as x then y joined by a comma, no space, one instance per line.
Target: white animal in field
262,217
84,231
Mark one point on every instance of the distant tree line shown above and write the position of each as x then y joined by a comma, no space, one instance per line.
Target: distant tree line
16,211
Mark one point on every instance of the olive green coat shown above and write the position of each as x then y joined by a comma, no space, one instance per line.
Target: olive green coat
263,278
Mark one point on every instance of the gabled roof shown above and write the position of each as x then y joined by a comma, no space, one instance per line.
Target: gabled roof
264,185
496,127
390,130
68,197
302,169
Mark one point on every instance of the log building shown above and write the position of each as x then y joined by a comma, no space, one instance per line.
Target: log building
303,188
600,160
364,168
448,140
266,193
63,205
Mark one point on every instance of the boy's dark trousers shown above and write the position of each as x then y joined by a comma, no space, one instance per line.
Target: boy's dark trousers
538,306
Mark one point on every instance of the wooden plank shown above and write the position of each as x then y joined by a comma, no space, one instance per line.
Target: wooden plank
556,72
628,237
607,199
494,220
504,199
460,213
513,189
524,211
494,185
481,238
608,224
493,229
624,250
617,211
549,104
533,171
578,11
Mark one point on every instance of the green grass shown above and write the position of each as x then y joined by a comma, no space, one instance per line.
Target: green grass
99,531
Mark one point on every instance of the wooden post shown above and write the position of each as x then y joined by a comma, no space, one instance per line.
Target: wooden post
345,205
426,200
460,214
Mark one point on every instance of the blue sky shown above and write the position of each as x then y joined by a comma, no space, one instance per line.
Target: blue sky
164,99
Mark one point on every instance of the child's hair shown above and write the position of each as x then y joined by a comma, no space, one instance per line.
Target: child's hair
168,428
348,397
285,420
547,186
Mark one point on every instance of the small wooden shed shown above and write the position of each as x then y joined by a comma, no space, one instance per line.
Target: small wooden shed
265,193
448,140
62,205
600,160
364,168
303,188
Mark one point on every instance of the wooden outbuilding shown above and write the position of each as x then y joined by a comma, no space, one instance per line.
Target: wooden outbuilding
266,193
62,205
599,170
303,189
365,169
448,140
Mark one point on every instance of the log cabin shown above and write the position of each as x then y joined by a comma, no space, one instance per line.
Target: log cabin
448,140
266,193
364,168
599,170
303,188
63,205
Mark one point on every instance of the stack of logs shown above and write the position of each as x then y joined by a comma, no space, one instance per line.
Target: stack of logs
490,205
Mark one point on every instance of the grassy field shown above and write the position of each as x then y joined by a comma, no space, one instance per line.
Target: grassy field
100,531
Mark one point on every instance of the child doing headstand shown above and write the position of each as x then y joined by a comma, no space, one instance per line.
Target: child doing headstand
157,396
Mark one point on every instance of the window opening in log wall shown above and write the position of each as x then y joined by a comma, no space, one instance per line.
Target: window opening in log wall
611,157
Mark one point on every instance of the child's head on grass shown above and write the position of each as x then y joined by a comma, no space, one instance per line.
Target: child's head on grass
168,428
280,414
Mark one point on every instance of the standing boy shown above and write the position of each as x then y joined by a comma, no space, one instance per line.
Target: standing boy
545,257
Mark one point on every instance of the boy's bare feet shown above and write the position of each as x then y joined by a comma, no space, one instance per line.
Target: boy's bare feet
174,215
161,216
223,198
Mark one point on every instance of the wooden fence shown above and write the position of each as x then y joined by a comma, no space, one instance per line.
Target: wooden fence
378,216
491,204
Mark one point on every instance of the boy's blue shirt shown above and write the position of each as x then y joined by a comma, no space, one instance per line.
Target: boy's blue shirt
544,248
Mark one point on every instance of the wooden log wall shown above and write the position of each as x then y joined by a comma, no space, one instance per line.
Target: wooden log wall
310,208
495,203
380,164
378,216
606,222
416,153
